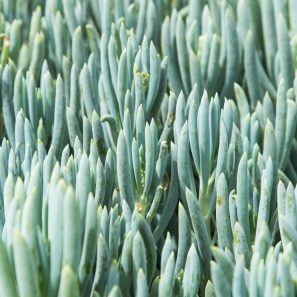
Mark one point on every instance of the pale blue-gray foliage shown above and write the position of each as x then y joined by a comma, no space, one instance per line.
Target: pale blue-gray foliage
148,148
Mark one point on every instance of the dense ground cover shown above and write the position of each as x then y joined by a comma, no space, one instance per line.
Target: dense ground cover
149,148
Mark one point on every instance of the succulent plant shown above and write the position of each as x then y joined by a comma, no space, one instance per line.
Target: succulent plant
148,148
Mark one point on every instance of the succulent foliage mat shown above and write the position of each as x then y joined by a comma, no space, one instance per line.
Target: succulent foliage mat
148,148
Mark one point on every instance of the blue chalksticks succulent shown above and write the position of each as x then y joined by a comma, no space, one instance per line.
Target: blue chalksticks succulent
148,148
